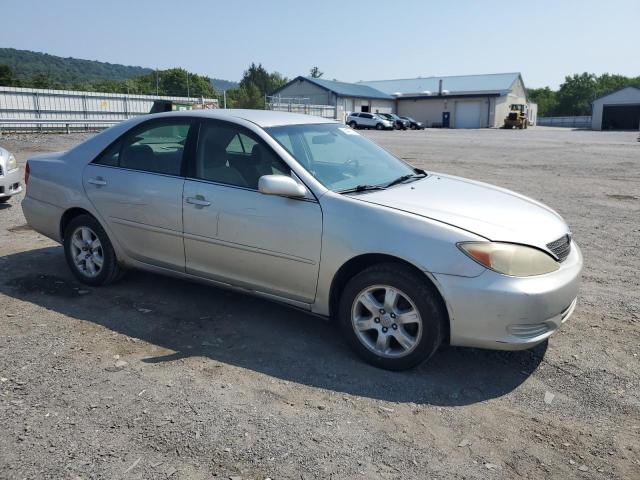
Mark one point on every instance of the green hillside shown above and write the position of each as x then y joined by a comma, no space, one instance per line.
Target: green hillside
67,71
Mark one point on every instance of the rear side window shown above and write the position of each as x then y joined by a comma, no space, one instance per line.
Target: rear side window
366,115
158,148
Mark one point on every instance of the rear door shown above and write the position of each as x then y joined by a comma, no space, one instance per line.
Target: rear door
136,187
366,119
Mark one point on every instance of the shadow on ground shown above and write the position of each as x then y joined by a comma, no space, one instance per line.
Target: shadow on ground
197,320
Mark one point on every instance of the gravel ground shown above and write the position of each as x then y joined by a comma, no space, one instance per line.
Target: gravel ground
159,378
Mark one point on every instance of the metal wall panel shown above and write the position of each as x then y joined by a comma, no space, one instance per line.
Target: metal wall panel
59,105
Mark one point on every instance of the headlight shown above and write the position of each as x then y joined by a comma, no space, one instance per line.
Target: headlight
510,259
12,164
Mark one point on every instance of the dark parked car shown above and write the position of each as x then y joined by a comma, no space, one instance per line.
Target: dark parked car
414,124
398,123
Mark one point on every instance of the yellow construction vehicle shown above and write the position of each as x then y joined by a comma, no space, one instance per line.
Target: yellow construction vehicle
518,116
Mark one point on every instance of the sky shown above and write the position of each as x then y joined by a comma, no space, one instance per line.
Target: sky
349,40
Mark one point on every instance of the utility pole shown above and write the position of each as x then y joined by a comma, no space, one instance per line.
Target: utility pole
188,91
157,82
224,98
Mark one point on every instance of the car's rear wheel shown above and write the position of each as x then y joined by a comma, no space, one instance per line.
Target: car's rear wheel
89,252
392,316
353,124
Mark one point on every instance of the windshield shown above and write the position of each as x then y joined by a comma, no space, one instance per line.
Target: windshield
339,157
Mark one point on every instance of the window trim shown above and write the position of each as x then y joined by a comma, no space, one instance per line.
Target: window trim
189,146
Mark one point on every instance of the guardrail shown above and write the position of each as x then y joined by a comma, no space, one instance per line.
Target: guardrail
14,124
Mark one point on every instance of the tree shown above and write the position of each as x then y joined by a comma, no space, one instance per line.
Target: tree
315,72
576,94
6,76
546,100
255,84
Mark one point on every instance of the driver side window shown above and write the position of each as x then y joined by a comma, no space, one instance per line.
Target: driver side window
229,154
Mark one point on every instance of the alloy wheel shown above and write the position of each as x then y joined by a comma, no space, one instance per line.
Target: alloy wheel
87,252
386,321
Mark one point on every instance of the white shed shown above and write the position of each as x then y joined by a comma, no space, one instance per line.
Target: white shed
619,110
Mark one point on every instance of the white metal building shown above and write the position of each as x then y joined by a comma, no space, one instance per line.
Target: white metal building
617,111
345,97
465,101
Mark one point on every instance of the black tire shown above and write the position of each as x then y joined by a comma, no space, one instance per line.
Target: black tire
424,296
110,270
379,126
353,124
413,127
4,199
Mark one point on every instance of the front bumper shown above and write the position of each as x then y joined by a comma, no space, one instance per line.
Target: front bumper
10,183
510,313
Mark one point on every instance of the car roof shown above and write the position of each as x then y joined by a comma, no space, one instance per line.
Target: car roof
262,118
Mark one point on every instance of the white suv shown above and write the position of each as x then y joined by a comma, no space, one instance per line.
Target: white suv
368,120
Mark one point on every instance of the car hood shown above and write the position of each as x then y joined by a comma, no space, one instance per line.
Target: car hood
492,212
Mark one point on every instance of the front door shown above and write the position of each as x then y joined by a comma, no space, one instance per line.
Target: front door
237,235
136,187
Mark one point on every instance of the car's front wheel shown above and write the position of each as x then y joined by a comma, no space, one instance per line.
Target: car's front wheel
379,126
89,252
392,316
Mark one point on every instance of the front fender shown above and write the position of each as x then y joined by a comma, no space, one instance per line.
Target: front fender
352,228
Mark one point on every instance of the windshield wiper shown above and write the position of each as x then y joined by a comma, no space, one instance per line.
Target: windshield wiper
419,174
362,188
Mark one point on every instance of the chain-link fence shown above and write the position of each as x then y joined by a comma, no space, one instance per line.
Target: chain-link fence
299,105
569,122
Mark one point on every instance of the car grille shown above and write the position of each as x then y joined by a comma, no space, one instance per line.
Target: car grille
561,247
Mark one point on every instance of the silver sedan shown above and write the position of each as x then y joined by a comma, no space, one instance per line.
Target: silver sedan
306,211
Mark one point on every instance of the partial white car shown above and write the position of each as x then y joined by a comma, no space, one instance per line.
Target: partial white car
9,175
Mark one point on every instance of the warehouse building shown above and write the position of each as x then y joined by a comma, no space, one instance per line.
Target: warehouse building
345,97
465,101
468,101
617,111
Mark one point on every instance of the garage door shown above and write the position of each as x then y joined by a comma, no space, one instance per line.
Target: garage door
468,114
620,117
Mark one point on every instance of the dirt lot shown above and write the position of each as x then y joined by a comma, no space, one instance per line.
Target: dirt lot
221,384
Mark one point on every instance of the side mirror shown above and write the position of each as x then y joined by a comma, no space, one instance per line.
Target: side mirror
280,185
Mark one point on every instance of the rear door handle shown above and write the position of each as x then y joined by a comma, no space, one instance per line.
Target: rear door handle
198,201
98,181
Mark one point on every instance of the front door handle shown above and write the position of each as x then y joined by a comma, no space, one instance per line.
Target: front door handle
98,181
198,201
